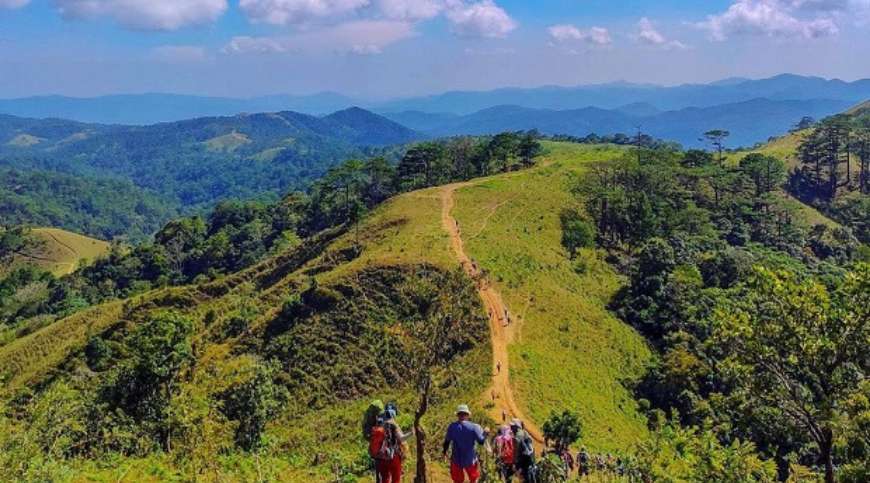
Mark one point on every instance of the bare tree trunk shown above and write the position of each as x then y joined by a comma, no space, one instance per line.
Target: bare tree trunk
420,433
827,456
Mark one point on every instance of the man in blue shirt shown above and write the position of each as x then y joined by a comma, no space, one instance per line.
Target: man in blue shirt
464,435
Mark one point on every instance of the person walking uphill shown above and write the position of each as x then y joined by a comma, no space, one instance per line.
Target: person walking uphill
524,449
464,435
388,447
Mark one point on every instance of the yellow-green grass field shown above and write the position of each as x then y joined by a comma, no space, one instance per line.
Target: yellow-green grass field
59,251
570,353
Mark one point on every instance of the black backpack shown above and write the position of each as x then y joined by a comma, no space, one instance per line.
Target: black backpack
526,446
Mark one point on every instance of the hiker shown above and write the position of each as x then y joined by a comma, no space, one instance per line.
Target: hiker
498,367
583,466
611,463
387,446
504,452
504,415
524,449
464,435
371,420
600,464
567,460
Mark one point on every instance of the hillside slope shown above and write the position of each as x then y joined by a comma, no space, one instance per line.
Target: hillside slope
197,162
58,251
328,312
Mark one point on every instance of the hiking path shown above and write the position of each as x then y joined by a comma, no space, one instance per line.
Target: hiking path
502,333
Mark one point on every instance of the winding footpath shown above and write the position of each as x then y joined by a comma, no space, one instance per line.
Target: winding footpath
499,392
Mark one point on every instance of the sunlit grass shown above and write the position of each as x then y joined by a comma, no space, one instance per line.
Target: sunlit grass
570,352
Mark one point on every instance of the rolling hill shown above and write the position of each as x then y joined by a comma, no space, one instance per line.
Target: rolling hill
192,164
329,300
58,251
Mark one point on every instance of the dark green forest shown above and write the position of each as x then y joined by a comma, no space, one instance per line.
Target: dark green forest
756,315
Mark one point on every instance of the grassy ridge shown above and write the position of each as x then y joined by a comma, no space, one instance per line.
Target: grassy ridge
570,352
58,251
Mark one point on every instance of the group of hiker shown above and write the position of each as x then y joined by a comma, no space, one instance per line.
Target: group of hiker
512,448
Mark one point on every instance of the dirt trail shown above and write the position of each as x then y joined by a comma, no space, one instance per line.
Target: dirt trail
502,333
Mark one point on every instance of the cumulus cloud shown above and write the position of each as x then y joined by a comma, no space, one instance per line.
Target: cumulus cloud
648,34
362,37
792,19
283,12
12,4
482,19
145,14
409,9
569,34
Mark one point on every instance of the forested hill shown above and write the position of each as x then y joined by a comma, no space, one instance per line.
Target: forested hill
200,161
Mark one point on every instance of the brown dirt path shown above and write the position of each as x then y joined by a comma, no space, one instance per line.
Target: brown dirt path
500,391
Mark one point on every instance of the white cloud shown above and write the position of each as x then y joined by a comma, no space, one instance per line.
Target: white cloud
568,34
251,45
12,4
483,19
179,54
365,50
649,35
145,14
362,37
410,9
793,19
565,33
283,12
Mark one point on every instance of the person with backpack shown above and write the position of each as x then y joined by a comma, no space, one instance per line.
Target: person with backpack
371,420
387,446
583,462
464,436
524,449
504,452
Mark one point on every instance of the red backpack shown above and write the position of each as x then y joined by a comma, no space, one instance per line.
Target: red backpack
504,448
382,446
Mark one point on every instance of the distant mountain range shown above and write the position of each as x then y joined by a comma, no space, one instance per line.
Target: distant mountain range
145,109
612,96
749,122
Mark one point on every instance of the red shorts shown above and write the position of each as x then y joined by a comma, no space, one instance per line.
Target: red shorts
458,474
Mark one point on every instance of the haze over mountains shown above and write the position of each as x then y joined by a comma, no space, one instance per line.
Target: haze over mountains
753,110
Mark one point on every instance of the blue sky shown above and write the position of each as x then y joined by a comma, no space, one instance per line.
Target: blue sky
378,49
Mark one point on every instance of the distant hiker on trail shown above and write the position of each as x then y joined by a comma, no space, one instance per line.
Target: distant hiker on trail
504,452
567,460
387,446
600,464
498,367
583,462
525,450
464,435
504,415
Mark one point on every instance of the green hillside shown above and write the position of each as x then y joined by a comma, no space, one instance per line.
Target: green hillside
358,306
61,251
568,352
198,162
